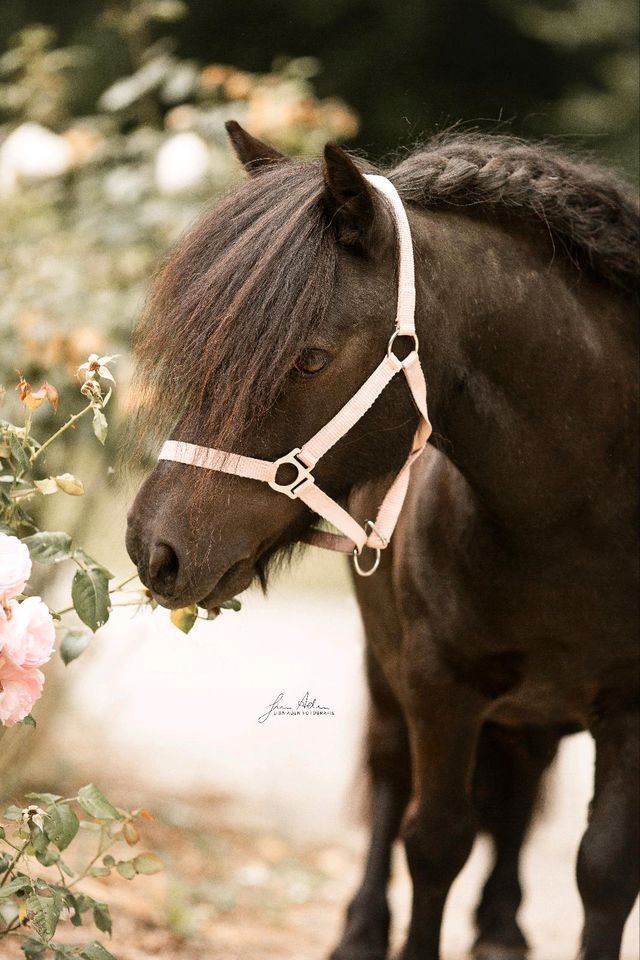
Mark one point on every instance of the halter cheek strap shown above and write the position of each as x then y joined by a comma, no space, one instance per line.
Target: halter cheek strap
353,537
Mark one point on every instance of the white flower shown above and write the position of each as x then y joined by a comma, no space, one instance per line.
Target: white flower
33,814
96,365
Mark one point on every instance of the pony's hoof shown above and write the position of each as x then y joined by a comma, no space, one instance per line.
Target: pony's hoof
496,951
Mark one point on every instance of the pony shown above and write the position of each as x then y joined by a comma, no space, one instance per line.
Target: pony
503,615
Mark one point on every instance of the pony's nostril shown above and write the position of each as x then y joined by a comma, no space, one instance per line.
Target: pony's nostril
163,568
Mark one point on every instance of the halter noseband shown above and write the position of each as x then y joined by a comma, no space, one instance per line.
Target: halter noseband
374,534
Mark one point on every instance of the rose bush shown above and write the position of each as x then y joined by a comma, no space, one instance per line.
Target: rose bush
40,891
33,904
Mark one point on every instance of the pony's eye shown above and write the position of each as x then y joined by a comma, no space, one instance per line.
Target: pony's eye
311,362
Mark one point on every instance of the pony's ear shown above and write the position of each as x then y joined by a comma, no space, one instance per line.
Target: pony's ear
349,200
253,154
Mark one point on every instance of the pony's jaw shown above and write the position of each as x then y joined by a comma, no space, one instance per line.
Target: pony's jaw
237,578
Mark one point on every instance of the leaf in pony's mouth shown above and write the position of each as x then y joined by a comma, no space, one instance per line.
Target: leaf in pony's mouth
213,612
184,618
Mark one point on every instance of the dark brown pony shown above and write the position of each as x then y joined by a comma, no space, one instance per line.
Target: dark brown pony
504,615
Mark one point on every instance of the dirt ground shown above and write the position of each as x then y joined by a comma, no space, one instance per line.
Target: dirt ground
225,894
234,891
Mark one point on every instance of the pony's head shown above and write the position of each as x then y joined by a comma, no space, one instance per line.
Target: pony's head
262,324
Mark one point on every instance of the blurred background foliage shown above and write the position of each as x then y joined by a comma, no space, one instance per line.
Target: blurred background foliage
546,66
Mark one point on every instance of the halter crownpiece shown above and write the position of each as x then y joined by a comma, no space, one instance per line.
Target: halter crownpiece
374,534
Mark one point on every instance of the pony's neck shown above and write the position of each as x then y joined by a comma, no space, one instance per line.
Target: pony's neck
519,359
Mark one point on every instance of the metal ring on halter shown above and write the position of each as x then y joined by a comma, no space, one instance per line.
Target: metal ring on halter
398,333
376,562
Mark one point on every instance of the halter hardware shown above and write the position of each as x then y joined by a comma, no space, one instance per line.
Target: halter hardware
353,538
304,474
378,551
400,333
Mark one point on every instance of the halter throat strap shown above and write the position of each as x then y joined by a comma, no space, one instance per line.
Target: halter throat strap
353,537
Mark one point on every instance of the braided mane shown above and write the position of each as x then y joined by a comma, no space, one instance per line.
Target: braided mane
591,212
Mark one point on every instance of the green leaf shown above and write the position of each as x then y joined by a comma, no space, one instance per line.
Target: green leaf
126,869
15,885
39,839
90,595
19,453
89,563
94,802
99,871
47,857
232,604
73,644
76,915
184,618
100,425
62,825
33,949
43,914
43,798
102,917
27,721
62,952
95,951
84,903
12,813
148,863
48,546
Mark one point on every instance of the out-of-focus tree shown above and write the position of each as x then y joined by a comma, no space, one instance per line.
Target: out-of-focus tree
35,76
600,105
407,68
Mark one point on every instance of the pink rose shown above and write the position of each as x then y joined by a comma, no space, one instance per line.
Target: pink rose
19,690
27,633
15,567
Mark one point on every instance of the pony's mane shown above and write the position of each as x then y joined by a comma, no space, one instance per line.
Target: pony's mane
588,210
244,289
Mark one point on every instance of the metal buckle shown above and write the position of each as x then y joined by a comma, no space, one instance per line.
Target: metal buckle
304,474
397,333
376,562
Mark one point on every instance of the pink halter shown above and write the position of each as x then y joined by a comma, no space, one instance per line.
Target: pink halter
374,534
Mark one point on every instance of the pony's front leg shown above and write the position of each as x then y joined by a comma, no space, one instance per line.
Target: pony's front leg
366,933
609,852
444,718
